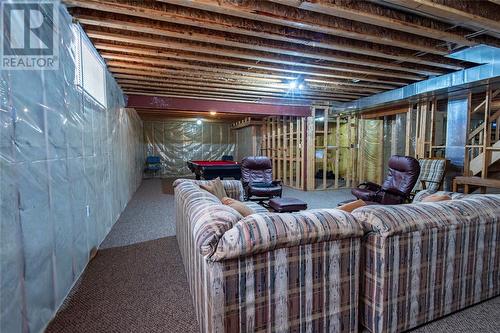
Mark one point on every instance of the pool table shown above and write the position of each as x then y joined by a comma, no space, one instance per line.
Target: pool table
213,169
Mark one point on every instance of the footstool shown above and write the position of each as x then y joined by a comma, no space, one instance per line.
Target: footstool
287,205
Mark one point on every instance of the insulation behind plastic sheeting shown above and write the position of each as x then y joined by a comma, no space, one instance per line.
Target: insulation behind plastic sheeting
68,167
371,147
177,142
248,141
394,138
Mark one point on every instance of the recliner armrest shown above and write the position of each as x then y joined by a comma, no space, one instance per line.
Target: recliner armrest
396,192
370,186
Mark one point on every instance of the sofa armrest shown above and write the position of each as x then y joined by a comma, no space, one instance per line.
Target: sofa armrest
392,220
233,188
259,233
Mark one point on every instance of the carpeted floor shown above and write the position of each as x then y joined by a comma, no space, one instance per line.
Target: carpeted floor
137,283
135,288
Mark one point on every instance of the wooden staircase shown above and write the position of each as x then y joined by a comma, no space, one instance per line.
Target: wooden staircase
476,165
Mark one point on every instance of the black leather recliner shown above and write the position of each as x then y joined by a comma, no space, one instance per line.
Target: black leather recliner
403,174
257,178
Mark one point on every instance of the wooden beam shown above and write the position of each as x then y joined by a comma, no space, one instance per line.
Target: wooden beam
268,12
177,87
267,72
371,13
279,56
149,102
289,46
477,14
127,67
193,82
343,71
225,25
255,97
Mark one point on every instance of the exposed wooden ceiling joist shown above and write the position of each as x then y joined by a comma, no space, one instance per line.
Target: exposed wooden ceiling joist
289,55
144,77
229,90
251,50
124,67
376,14
251,39
261,63
477,14
369,75
273,13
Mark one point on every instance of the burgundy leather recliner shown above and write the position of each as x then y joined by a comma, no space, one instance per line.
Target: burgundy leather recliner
396,189
257,178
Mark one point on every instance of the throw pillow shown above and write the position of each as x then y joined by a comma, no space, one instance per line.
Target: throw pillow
436,198
350,206
216,187
239,206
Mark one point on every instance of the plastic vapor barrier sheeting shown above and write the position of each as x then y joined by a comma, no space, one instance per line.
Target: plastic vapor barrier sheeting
68,167
177,142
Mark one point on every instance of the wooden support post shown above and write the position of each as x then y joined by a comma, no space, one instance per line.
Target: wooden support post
325,146
311,149
432,129
486,136
408,129
285,150
337,152
273,145
279,147
291,162
468,151
349,150
303,153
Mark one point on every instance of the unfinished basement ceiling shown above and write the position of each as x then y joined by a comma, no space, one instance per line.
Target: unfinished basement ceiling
250,50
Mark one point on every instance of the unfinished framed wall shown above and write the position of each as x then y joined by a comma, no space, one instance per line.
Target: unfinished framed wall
248,138
283,141
313,153
332,149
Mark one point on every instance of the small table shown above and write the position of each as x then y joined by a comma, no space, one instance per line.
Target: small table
287,205
213,169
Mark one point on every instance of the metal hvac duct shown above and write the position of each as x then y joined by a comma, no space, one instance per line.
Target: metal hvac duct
487,72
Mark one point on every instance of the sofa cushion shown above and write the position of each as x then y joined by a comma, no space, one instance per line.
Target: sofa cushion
264,232
233,188
436,198
425,193
239,206
399,219
350,206
215,187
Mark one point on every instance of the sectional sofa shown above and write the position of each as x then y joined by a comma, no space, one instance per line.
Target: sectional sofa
387,268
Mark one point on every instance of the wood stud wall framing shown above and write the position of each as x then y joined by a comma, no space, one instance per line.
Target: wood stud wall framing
283,141
292,143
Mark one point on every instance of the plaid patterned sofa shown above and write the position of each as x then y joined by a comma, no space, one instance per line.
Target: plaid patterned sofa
268,272
425,260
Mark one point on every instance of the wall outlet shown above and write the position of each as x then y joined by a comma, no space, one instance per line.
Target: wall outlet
87,210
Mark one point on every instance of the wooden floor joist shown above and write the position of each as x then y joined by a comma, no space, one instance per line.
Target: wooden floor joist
341,50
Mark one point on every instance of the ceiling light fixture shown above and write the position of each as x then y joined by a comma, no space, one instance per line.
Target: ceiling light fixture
198,121
213,113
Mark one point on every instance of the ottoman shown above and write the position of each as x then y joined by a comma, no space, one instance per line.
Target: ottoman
287,205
